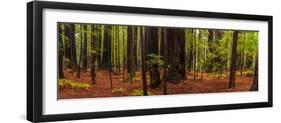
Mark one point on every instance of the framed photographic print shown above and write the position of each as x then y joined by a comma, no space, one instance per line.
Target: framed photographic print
95,61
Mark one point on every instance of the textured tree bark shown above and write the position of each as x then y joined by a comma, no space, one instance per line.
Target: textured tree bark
107,38
241,56
85,54
130,53
67,45
106,47
134,56
233,61
73,58
93,63
198,36
165,54
254,86
118,49
190,59
143,64
175,39
124,55
182,53
61,52
101,46
194,53
154,46
81,51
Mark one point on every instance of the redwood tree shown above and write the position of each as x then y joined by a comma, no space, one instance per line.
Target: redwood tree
61,50
73,56
165,54
153,44
143,63
254,86
85,54
81,51
175,39
93,53
233,61
107,41
130,53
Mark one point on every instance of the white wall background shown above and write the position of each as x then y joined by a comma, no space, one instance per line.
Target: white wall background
13,61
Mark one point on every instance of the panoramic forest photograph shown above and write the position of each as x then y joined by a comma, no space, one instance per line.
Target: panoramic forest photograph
102,60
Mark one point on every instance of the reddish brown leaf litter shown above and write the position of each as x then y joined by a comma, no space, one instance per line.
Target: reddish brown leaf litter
208,84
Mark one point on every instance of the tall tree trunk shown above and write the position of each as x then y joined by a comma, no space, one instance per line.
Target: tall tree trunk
254,86
233,61
135,49
85,58
190,62
194,53
175,39
61,50
165,53
154,49
182,44
81,51
228,53
97,44
198,35
130,53
124,55
143,64
106,46
118,50
67,45
107,38
241,56
93,63
102,57
73,58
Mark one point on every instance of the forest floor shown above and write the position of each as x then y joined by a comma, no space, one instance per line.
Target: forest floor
210,83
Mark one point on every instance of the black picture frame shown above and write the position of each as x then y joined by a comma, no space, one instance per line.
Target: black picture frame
34,60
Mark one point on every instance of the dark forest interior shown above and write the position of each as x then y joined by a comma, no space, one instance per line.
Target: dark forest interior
96,60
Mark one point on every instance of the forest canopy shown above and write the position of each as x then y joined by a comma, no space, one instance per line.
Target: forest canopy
98,60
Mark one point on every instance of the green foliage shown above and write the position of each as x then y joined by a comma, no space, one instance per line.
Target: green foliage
118,90
219,59
154,62
220,51
249,73
63,83
206,50
139,93
153,59
248,47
